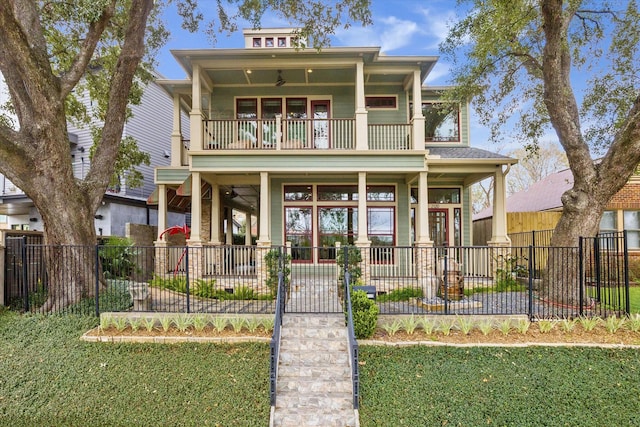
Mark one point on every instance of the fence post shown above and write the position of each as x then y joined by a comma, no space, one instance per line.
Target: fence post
596,256
345,264
625,260
97,280
581,275
25,272
530,282
186,261
445,278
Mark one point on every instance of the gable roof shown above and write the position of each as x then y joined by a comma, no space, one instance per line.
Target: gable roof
544,195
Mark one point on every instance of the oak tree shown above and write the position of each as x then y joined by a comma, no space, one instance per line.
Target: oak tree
53,53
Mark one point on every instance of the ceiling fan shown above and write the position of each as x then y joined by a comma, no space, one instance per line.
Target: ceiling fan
280,81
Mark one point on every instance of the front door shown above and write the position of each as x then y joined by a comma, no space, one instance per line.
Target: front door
438,226
320,112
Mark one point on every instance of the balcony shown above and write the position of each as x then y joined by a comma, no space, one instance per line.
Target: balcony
302,134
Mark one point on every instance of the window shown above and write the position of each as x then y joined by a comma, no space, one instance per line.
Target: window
381,102
441,122
294,193
444,195
268,42
282,42
247,108
608,223
381,193
336,224
299,231
337,192
632,225
257,42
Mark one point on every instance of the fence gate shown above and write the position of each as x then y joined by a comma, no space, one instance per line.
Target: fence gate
16,263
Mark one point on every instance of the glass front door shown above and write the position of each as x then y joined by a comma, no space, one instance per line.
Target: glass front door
438,226
320,114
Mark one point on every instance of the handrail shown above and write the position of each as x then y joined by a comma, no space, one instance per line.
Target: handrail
275,339
353,343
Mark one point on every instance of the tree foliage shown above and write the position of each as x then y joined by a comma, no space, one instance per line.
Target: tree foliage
570,66
56,55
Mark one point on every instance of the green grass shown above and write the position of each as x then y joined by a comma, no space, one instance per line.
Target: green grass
422,386
403,294
610,298
49,377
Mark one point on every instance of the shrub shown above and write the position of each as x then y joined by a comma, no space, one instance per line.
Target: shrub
118,257
276,261
365,314
403,294
353,263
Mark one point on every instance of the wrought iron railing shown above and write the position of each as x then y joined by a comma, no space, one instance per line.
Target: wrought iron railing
275,338
353,343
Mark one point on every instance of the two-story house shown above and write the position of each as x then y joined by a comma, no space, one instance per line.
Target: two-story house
342,145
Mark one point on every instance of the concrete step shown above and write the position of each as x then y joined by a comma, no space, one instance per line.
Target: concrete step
313,320
314,387
314,332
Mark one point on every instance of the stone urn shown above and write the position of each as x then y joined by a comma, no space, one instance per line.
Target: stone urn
140,295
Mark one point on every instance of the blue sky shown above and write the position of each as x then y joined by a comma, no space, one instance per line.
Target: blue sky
400,27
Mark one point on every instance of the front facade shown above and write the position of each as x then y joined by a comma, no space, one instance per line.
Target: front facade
345,145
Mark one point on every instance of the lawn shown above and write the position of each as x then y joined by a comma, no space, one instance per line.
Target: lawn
49,377
544,386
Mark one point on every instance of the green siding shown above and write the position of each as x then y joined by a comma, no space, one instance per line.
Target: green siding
467,216
301,163
171,175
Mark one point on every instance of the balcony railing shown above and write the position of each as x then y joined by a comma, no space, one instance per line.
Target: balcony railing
390,137
299,134
277,134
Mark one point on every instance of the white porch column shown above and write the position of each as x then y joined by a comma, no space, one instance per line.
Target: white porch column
361,110
215,214
196,207
363,237
247,229
418,118
499,221
196,111
422,232
176,133
162,210
264,236
229,230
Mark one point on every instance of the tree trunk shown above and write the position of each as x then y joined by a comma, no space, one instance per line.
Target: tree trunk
70,251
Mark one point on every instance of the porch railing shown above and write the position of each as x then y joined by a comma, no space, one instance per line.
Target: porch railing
353,343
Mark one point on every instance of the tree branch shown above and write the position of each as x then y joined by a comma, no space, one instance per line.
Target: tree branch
80,62
102,167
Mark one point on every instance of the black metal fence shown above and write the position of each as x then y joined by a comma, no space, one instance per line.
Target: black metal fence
538,281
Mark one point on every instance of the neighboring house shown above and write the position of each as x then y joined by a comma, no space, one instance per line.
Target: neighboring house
622,212
151,127
308,140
